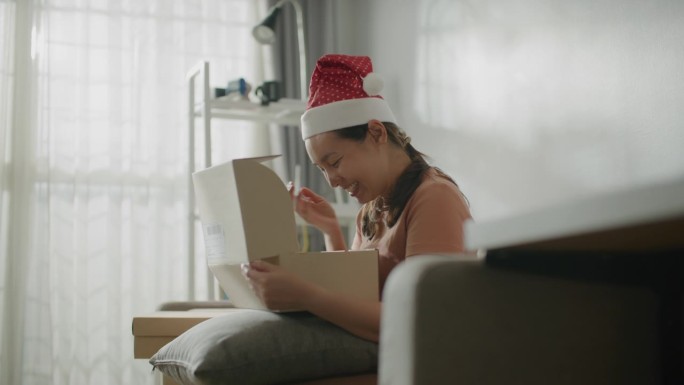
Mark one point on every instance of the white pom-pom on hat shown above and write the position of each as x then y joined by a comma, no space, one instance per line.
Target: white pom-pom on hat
373,84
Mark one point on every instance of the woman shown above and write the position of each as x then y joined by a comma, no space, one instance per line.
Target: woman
409,208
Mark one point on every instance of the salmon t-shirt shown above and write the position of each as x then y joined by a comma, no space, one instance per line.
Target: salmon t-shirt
431,223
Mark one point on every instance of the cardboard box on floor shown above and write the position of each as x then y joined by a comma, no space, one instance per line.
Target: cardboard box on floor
246,214
154,330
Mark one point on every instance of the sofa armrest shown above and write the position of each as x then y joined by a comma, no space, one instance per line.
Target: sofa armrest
447,321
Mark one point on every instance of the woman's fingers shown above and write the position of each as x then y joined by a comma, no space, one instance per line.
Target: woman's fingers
290,189
309,195
262,266
254,270
277,288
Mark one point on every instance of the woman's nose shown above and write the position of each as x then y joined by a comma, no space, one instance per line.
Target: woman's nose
333,179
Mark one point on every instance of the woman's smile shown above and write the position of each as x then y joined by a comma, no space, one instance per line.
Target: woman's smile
352,189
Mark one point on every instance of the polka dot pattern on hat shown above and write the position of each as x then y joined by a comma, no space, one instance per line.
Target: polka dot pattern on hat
339,77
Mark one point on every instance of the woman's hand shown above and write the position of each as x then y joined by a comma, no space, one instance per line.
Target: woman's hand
315,210
277,288
281,290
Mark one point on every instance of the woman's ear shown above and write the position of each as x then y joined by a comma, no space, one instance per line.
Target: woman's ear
377,131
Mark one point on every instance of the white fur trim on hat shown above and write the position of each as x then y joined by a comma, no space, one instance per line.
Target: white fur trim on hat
345,113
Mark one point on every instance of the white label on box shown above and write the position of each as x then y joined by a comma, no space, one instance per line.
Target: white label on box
215,242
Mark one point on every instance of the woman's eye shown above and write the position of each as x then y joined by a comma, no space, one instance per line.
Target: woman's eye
337,163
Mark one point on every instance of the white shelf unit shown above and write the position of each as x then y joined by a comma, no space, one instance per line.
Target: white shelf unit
284,112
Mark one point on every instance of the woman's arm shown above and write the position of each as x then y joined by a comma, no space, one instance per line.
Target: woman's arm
282,290
361,318
335,240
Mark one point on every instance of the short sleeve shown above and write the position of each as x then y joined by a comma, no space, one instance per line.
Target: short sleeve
435,216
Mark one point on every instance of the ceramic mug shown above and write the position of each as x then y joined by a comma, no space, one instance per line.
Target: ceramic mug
268,91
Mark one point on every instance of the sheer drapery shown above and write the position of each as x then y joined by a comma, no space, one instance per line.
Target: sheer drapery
93,124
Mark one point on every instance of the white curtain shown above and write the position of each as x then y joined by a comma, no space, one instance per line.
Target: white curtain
93,174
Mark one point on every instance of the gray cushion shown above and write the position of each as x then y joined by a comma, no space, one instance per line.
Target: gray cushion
259,347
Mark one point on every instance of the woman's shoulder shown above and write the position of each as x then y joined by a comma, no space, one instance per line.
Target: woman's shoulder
435,180
437,186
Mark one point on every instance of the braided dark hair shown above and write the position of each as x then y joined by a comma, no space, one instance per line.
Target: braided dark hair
372,222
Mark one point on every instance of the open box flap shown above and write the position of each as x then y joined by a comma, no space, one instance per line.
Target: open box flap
246,211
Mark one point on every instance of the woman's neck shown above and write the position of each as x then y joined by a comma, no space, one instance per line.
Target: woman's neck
399,161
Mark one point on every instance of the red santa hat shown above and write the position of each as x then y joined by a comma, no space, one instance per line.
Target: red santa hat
344,92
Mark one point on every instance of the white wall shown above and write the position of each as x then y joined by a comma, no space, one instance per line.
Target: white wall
531,102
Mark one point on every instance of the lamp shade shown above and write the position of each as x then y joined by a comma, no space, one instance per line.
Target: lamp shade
264,32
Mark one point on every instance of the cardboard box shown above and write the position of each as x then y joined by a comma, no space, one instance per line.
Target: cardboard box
246,214
152,331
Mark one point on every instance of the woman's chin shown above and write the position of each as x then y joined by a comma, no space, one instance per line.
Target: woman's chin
362,196
361,199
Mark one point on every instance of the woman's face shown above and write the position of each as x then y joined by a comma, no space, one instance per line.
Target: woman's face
356,167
